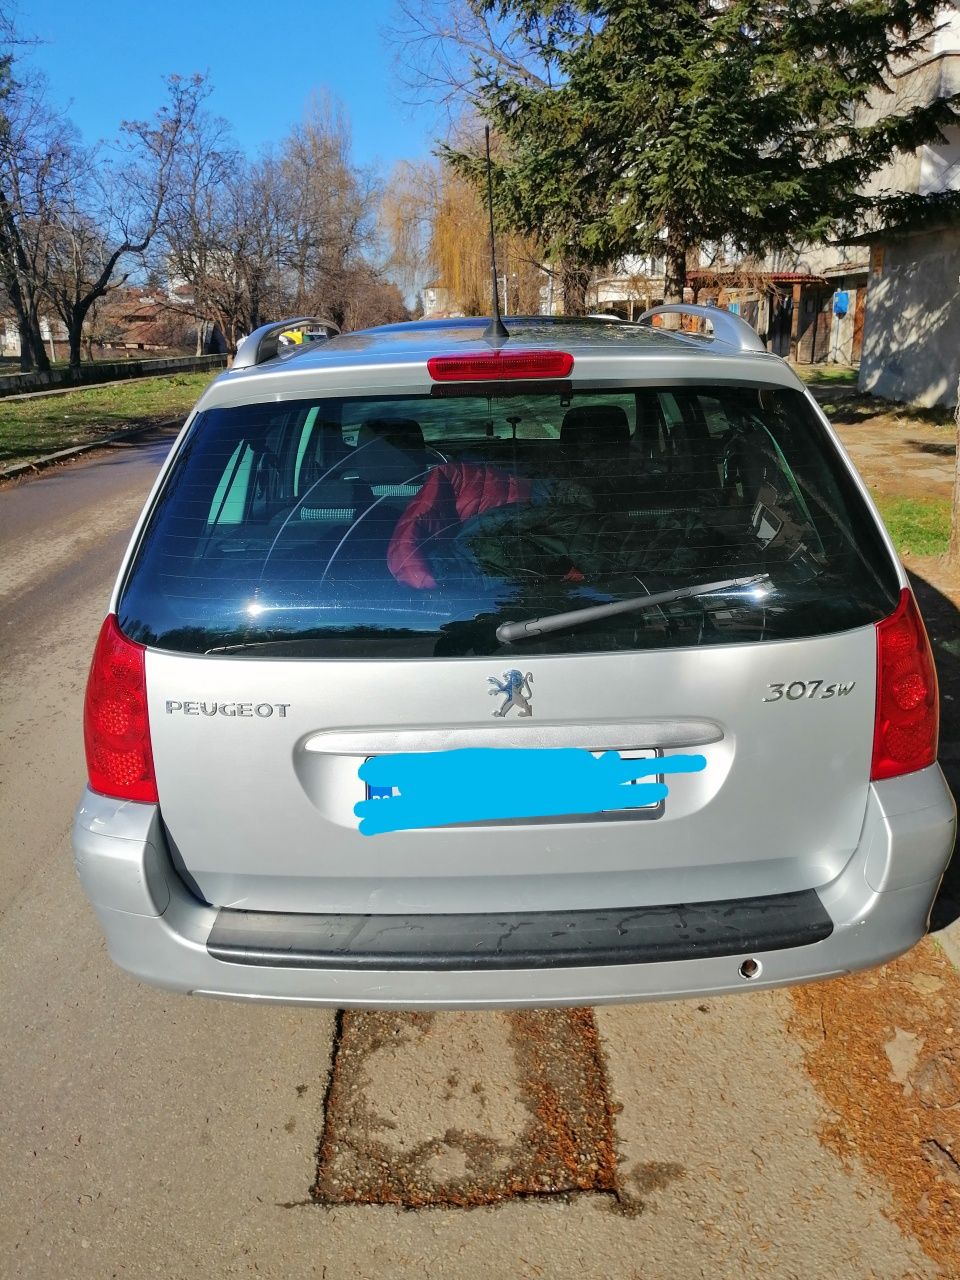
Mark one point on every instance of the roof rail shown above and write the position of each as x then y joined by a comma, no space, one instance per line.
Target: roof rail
728,329
264,343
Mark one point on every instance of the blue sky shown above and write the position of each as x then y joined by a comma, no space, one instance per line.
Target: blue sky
106,62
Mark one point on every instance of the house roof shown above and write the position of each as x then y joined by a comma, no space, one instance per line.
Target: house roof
738,279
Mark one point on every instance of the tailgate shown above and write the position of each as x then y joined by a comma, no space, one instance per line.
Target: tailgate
258,774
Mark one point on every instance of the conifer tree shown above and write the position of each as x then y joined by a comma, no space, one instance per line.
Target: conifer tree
668,124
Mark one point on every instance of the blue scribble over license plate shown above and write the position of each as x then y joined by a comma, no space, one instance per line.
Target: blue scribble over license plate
645,753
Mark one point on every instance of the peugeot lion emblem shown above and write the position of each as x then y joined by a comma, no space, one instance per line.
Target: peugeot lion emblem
516,690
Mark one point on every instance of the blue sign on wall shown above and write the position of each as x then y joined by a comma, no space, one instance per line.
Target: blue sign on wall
841,302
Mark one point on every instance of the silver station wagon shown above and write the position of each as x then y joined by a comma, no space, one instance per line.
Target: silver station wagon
445,670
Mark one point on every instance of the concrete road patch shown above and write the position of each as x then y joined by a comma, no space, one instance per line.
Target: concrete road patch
465,1109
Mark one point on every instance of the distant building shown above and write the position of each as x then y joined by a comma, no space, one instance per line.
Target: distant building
436,301
808,306
911,348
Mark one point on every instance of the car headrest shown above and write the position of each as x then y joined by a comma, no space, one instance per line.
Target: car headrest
402,433
390,451
595,429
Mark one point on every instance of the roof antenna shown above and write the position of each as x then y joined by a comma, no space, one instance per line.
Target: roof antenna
496,328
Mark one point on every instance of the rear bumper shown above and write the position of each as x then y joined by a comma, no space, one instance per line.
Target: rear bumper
877,908
518,941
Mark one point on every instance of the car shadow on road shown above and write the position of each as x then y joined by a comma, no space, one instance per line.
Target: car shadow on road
943,624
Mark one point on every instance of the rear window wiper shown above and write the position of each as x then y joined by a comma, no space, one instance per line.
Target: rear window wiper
508,631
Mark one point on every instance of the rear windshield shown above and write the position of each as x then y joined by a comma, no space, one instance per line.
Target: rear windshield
417,526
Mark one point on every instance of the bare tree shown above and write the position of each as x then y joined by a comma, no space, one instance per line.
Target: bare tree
108,214
36,147
287,233
438,44
206,166
407,213
369,299
447,53
236,259
436,226
328,206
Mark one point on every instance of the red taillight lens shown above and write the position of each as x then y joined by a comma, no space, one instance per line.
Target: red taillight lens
908,712
116,728
500,365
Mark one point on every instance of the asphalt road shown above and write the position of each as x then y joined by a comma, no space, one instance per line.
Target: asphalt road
143,1134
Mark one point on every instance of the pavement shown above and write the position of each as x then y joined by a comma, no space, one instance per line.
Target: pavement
779,1134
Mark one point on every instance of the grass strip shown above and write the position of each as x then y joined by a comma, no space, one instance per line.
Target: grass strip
32,428
837,375
918,526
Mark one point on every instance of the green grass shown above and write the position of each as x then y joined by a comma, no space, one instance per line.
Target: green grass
920,526
44,424
835,375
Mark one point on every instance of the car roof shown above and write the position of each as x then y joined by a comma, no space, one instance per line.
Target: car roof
393,357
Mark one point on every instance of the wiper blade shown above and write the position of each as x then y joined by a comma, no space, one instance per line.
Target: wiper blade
508,631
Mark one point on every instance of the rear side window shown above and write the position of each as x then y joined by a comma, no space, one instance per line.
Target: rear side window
416,526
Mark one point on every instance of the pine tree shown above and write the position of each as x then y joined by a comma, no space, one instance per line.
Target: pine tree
674,123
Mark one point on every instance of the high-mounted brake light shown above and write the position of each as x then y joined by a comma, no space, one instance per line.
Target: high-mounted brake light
497,366
907,722
116,728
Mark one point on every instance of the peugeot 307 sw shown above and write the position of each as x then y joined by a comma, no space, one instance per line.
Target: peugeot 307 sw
449,670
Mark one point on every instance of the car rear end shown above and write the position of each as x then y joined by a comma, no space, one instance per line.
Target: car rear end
380,716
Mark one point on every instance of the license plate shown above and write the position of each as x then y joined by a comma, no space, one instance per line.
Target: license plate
649,810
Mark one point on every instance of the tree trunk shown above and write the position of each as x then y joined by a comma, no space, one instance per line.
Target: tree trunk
75,336
22,292
41,361
33,353
575,281
30,343
953,554
675,276
26,354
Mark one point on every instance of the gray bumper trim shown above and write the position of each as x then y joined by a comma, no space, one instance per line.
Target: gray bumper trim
542,940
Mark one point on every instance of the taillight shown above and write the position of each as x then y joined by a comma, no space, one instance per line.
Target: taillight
494,366
908,713
116,728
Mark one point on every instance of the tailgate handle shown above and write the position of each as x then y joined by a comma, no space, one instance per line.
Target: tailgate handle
606,736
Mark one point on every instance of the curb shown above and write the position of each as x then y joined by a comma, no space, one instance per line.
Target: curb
48,459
